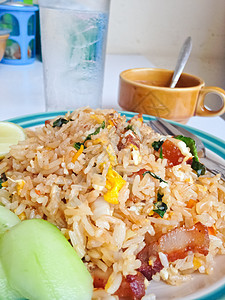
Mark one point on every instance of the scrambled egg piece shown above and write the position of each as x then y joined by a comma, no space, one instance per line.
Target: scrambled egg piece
97,118
114,183
5,184
20,185
22,216
196,263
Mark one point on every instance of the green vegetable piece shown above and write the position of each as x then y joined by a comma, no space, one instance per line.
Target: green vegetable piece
154,176
59,122
161,153
95,132
190,143
41,264
6,292
3,178
78,145
157,145
160,206
198,167
7,219
130,127
159,196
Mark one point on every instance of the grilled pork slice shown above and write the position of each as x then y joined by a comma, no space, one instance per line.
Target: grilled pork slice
132,287
150,262
100,277
178,242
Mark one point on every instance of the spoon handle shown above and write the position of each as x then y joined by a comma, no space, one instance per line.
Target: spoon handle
181,62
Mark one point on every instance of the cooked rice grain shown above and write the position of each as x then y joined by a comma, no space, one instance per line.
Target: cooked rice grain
46,179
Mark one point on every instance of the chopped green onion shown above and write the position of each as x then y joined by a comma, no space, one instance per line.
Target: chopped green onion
95,132
154,176
161,153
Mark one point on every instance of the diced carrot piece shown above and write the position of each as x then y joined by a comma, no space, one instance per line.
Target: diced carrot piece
212,231
78,153
191,203
38,192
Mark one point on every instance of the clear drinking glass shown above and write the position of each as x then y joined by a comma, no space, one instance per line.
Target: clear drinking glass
73,41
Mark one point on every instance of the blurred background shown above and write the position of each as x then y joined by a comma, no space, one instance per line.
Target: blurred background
157,29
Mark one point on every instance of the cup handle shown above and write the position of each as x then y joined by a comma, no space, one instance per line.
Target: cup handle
202,110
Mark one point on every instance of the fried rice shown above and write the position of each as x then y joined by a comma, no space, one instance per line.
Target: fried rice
97,177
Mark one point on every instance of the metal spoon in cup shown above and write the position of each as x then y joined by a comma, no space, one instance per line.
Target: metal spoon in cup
181,62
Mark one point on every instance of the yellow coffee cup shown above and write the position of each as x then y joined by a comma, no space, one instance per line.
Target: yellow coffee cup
146,90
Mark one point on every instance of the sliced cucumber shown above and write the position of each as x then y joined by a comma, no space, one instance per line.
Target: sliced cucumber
7,219
6,292
41,264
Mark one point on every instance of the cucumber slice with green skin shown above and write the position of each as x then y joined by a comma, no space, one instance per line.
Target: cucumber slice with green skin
7,219
6,292
41,264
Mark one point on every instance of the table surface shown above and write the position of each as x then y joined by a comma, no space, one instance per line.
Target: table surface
22,90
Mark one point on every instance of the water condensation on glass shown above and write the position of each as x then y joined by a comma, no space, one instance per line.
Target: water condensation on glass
87,48
73,45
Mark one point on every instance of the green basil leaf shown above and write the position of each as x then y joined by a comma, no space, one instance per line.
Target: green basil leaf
159,196
198,167
59,122
190,143
157,145
130,127
154,176
160,206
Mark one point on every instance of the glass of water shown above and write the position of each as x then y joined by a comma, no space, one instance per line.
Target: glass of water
73,41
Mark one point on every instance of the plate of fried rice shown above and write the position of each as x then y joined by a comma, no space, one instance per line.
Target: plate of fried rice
145,223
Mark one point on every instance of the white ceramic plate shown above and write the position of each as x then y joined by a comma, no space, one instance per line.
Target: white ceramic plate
201,287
